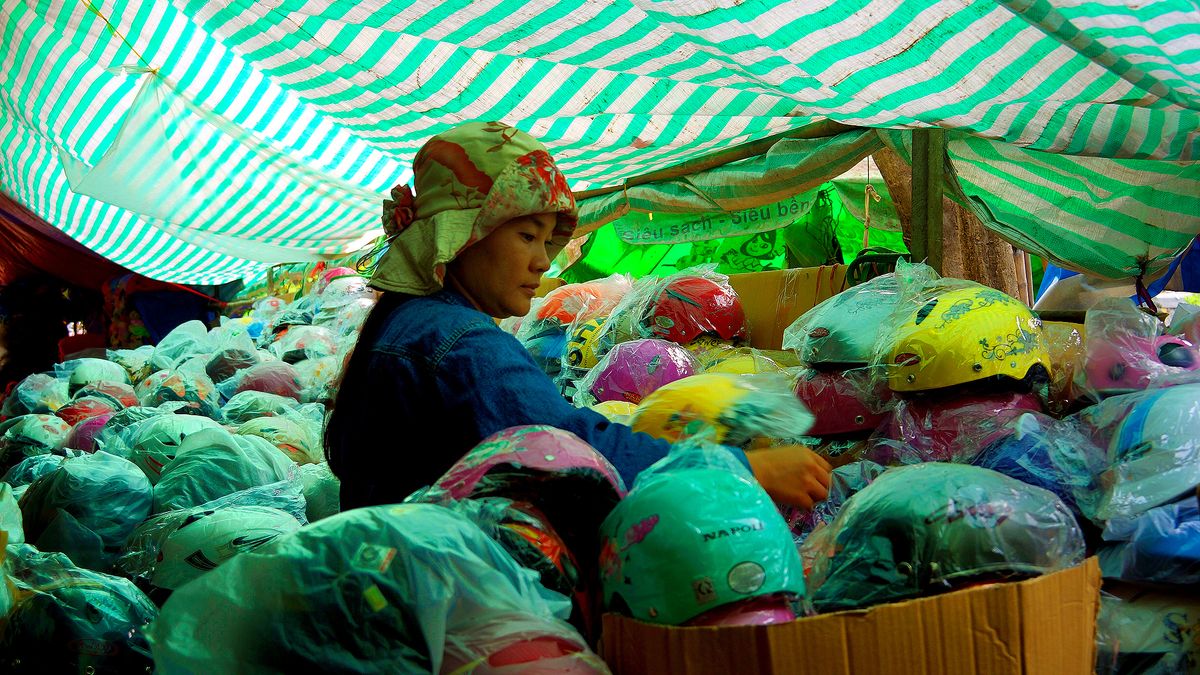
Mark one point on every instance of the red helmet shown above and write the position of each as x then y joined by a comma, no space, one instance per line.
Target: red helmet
840,401
122,393
271,377
691,306
87,406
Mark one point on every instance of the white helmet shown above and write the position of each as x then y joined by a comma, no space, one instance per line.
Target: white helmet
207,538
88,371
157,439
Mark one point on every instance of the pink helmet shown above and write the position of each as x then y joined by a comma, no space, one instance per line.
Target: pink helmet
632,370
1121,362
554,470
758,611
839,400
939,430
272,377
87,406
83,434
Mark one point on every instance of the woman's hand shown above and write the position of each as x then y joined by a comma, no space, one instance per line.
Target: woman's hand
791,474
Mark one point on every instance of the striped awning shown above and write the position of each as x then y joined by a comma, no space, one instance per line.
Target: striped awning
200,141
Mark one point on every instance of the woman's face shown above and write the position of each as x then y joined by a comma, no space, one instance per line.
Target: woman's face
501,273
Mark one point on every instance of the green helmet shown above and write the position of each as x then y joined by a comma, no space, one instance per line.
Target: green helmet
30,435
156,440
842,329
689,539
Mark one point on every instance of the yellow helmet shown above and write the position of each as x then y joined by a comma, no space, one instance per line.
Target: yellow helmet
582,349
615,411
961,334
739,408
742,361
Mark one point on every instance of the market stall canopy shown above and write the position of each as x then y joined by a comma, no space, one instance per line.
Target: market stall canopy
202,141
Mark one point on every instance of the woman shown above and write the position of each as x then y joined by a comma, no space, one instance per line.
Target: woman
432,374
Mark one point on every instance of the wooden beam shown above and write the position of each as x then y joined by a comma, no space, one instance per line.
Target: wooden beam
928,153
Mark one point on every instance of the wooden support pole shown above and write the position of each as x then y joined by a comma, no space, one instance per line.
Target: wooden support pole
928,153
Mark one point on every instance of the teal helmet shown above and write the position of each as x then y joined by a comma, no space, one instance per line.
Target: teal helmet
928,527
842,330
693,540
30,435
89,371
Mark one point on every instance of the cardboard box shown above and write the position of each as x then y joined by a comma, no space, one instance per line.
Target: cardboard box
773,300
1044,626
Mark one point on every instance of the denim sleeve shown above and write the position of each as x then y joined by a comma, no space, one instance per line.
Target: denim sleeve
488,378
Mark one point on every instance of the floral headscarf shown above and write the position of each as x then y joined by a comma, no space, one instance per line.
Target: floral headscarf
469,181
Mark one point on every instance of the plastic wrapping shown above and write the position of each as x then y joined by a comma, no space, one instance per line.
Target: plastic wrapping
1153,442
322,491
116,391
197,393
1068,356
1185,322
1051,454
631,371
681,308
36,394
247,405
73,620
136,362
296,435
950,332
266,309
10,522
744,361
844,482
319,378
841,331
583,350
304,342
270,377
696,533
923,529
843,402
30,469
83,434
186,340
348,321
79,372
176,547
616,411
86,508
739,408
87,406
564,477
115,437
154,442
227,362
32,435
212,463
1160,546
590,299
408,588
1147,632
937,430
1127,351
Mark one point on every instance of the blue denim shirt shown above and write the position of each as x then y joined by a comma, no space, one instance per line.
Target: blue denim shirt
431,377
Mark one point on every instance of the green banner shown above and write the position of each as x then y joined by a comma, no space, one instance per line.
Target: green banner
677,228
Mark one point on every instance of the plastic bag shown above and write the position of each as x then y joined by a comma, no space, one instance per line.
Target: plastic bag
1160,546
1153,443
270,377
1065,342
186,340
745,361
30,469
408,588
631,371
1127,351
247,405
122,394
176,547
10,521
297,436
1146,631
940,430
738,408
845,481
36,394
1185,322
136,362
86,508
304,342
32,435
72,620
844,403
194,389
929,527
697,535
213,463
322,491
319,378
841,331
115,437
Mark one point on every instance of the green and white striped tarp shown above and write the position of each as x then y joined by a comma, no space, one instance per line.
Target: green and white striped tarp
199,141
